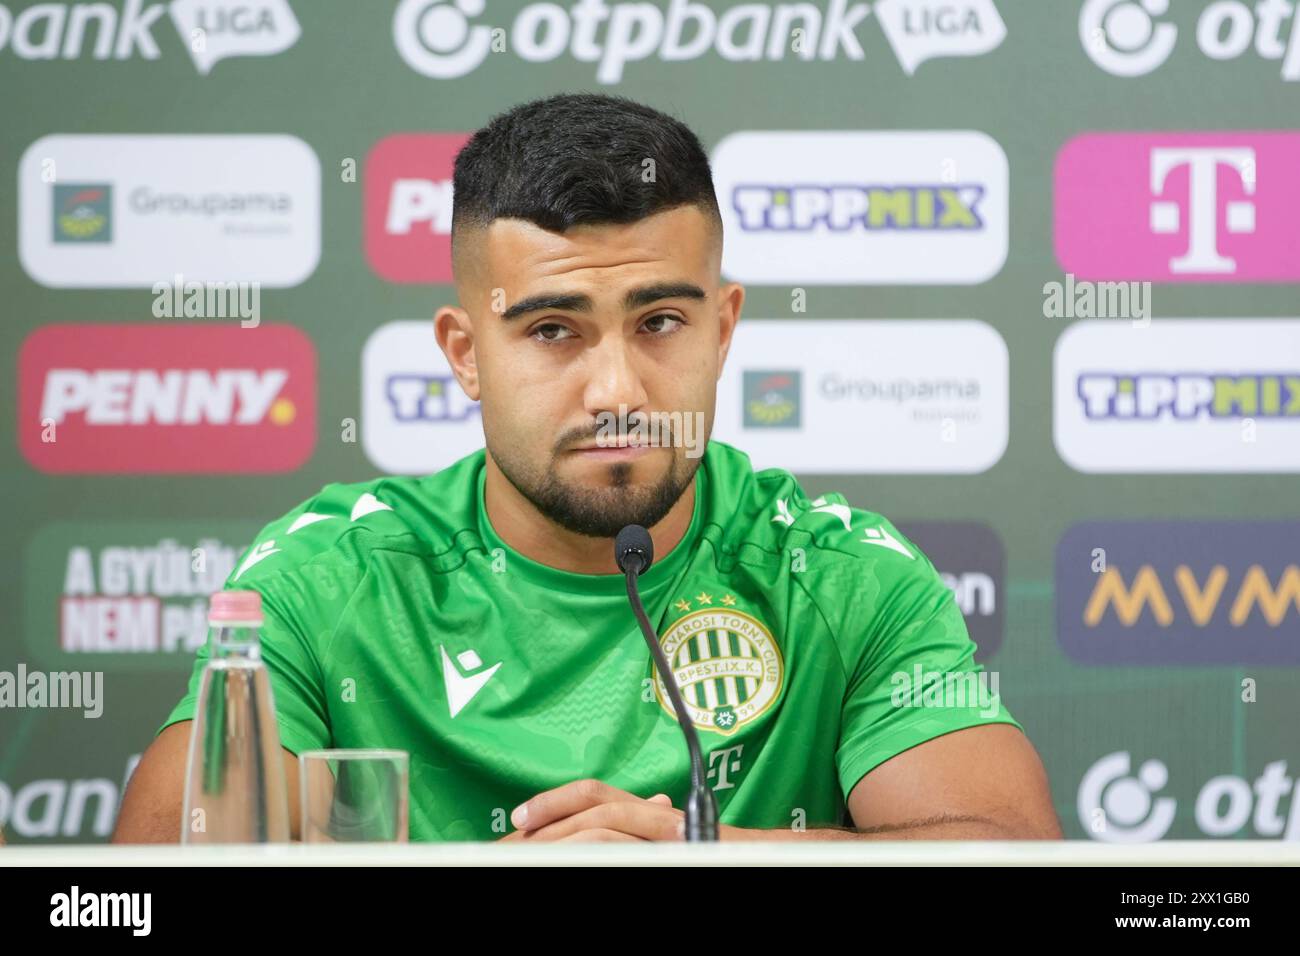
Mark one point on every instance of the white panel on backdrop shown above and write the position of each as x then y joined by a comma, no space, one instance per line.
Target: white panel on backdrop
415,417
1199,395
847,207
125,211
848,396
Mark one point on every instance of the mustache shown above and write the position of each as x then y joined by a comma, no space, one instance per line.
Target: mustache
635,421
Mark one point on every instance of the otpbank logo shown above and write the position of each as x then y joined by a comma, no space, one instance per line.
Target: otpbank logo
1179,207
442,40
408,192
119,399
1180,592
1134,37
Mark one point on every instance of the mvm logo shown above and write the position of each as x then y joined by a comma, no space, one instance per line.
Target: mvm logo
1199,601
1180,592
114,399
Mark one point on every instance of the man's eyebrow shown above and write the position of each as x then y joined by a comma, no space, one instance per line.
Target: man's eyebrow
645,295
581,302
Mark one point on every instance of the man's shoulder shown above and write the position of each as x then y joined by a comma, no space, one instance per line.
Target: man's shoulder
769,510
343,525
862,574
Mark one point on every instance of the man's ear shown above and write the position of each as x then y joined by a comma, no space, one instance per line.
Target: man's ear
732,298
455,334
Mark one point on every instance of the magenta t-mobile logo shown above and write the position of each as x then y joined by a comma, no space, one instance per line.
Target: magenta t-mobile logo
1180,207
1201,203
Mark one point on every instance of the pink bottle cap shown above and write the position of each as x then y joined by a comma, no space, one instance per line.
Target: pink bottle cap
231,607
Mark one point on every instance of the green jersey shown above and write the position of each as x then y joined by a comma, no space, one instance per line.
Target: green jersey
811,640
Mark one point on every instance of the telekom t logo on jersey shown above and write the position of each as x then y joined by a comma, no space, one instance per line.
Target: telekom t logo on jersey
1179,207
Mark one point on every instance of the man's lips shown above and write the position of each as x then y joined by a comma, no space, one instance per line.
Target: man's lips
620,443
621,450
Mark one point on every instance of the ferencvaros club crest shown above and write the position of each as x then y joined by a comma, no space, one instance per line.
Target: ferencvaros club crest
726,662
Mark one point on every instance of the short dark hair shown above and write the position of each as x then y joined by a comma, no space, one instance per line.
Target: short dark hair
579,159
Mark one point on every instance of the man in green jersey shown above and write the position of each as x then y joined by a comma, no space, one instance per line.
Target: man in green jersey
476,619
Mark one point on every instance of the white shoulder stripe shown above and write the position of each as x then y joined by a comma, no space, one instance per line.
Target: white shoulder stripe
303,520
367,504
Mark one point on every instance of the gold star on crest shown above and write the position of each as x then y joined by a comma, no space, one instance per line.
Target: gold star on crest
704,598
682,605
728,600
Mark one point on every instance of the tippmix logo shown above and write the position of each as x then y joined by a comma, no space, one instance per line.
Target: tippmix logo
415,417
1196,395
848,207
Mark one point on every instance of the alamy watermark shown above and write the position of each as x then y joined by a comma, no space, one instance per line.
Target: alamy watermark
75,908
1097,300
947,689
656,429
179,299
57,689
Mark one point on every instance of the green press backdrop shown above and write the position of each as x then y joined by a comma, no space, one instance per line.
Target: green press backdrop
1116,503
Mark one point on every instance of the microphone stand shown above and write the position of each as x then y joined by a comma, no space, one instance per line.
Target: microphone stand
701,806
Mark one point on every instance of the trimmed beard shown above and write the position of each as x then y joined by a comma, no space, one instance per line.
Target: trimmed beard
601,512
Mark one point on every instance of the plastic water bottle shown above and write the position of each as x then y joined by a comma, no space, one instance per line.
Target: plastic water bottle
234,783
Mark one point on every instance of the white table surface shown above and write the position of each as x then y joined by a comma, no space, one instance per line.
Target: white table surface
810,853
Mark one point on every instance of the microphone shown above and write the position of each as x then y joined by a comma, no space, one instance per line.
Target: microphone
634,552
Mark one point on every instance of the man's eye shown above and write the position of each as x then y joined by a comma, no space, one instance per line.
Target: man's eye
656,324
550,332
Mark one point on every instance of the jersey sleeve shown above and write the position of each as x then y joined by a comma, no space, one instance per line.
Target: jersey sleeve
911,673
295,603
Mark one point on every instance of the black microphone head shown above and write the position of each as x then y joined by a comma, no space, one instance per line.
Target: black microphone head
632,547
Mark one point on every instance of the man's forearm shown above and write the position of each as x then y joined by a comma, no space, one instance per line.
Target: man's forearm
946,828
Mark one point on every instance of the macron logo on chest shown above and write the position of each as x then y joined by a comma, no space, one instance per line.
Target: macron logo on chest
461,686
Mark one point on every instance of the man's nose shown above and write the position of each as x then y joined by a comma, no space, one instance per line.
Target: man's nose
613,379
